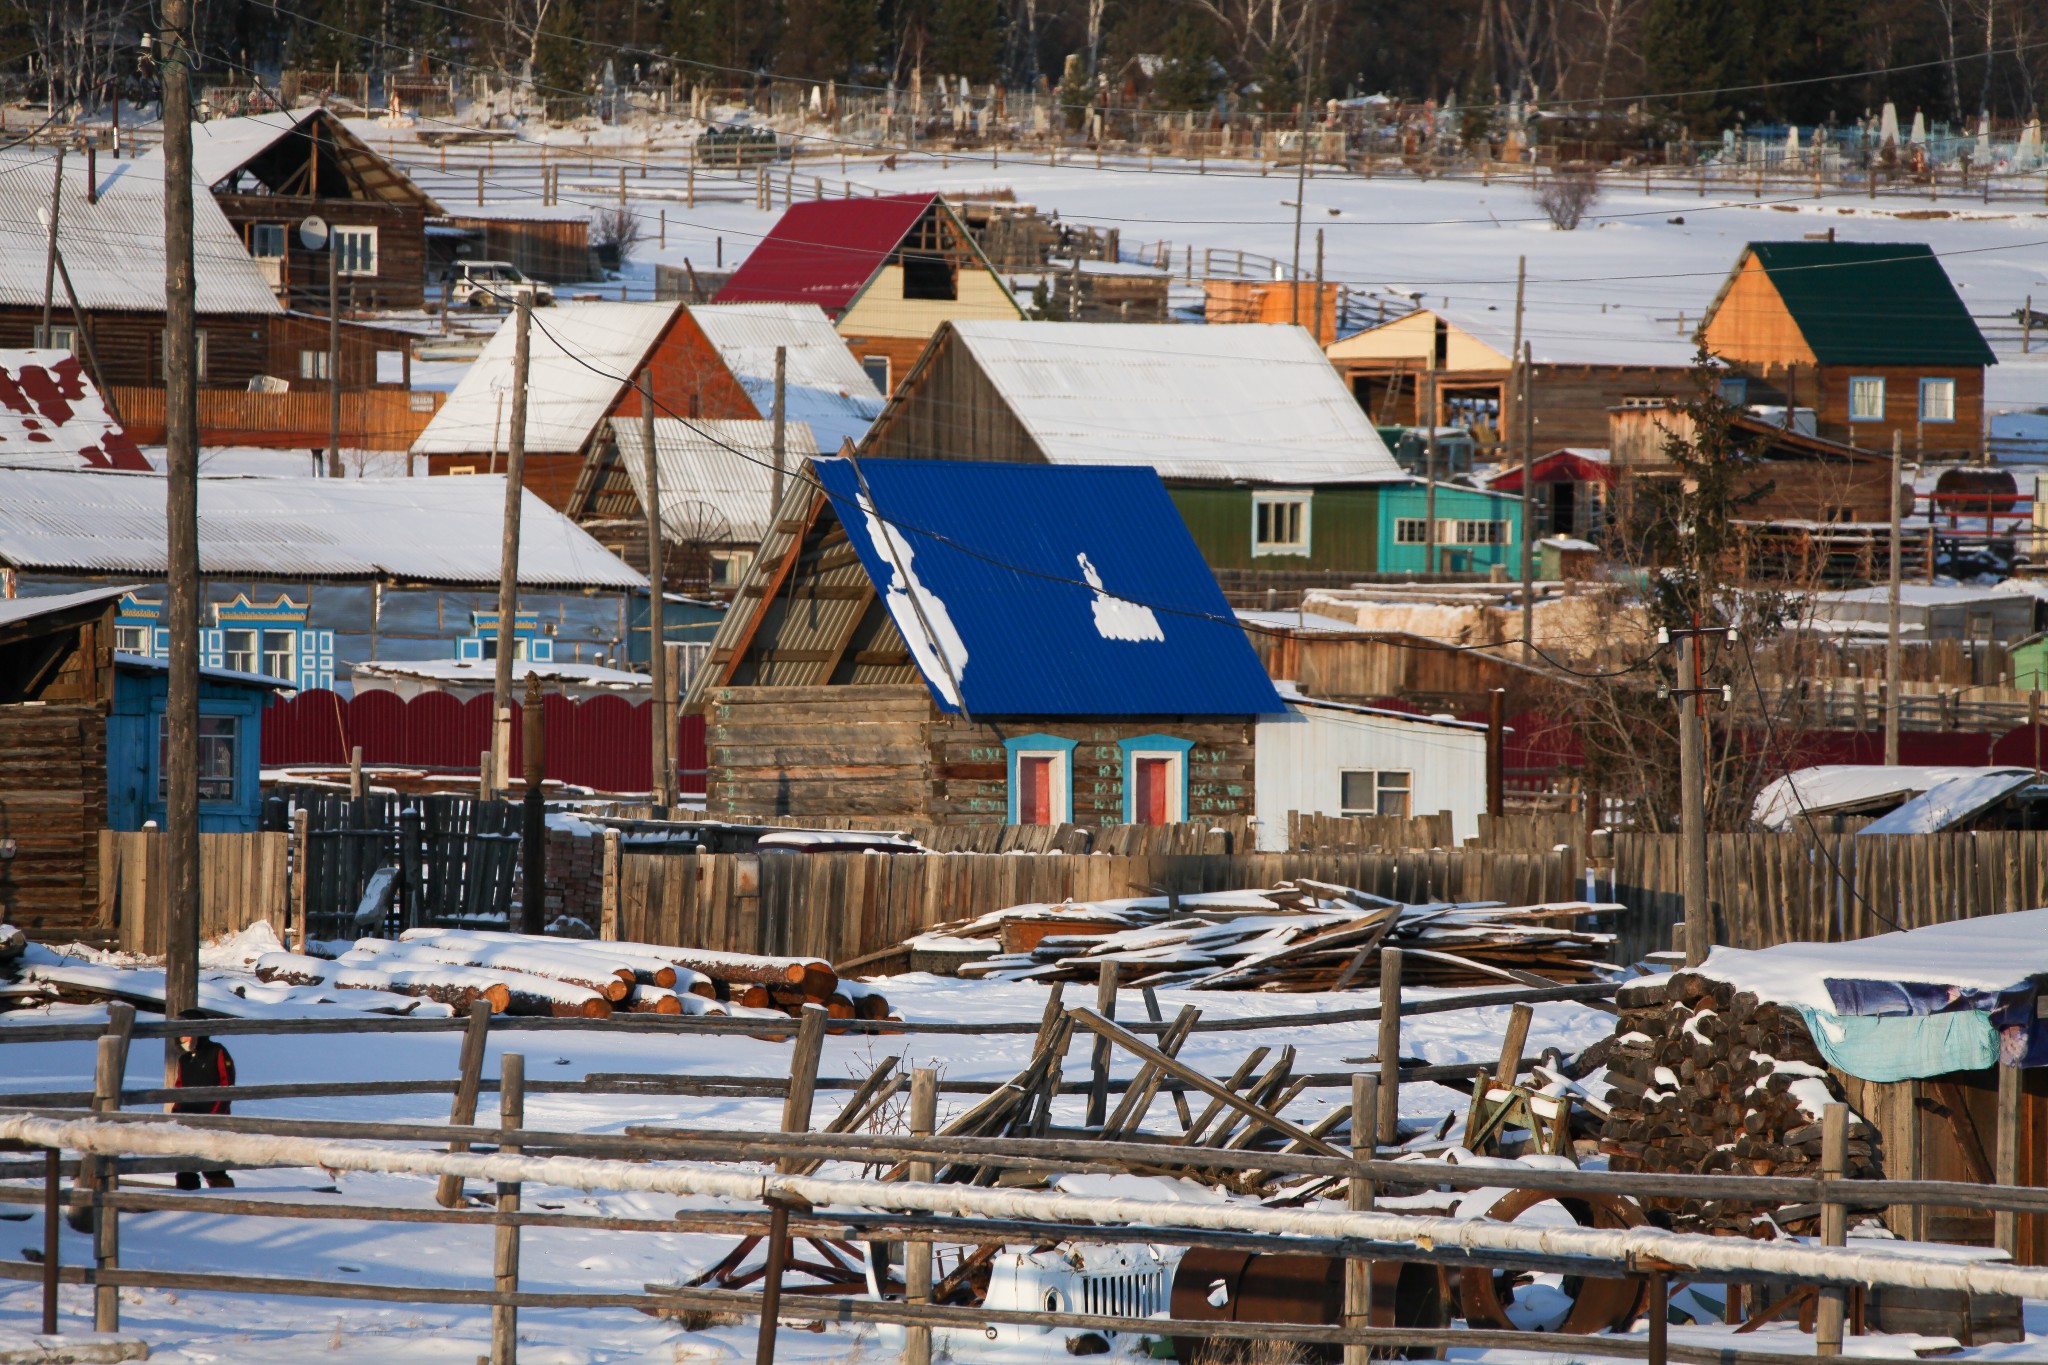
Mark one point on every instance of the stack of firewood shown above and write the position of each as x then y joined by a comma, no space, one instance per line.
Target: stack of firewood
584,978
1706,1079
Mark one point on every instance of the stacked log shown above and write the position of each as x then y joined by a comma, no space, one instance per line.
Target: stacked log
1708,1080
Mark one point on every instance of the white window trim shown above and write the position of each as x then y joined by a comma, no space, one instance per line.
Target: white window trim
1408,785
1299,549
1062,780
368,233
1421,524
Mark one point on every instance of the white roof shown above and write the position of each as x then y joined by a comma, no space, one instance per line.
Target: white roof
484,672
1831,786
1255,401
823,385
1989,953
114,249
442,530
14,609
222,146
716,477
51,416
1915,595
1952,802
582,355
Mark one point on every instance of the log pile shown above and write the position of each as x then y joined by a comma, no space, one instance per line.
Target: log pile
1298,936
1706,1079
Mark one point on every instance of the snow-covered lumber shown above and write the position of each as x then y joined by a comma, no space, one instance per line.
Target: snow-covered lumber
457,986
293,969
646,968
590,973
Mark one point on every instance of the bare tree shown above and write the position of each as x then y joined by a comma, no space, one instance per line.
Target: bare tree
1566,195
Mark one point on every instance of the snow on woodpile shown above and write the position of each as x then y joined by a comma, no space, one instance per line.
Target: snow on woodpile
1474,613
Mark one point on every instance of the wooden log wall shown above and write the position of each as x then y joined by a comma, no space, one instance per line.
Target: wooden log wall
371,419
241,881
53,802
841,906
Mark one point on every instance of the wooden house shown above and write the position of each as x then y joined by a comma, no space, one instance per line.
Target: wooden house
1802,478
1871,335
888,272
301,190
1302,303
1570,487
1273,467
978,643
546,242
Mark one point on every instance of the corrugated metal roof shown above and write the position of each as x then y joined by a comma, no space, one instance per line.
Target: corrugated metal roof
823,385
443,530
824,251
1047,591
51,417
1873,303
714,474
222,146
13,609
1255,402
114,249
582,356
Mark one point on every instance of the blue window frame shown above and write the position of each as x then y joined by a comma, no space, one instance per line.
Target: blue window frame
1175,752
1866,398
1735,392
1937,400
1033,756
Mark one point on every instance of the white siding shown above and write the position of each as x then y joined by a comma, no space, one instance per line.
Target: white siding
1300,756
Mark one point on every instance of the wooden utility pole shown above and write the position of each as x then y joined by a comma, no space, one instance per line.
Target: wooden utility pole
780,418
1496,754
1300,198
1891,610
508,558
50,250
1692,817
181,539
533,813
1521,381
1429,556
1318,329
333,356
659,775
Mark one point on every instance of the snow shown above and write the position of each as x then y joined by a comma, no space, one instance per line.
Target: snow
1119,618
1833,785
1952,802
920,615
1987,954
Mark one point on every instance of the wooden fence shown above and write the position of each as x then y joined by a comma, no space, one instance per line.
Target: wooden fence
371,419
241,881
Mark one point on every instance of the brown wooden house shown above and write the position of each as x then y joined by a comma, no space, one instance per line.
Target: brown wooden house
1870,335
300,190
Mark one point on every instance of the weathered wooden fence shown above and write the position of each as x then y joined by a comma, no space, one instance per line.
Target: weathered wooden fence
456,858
241,880
371,419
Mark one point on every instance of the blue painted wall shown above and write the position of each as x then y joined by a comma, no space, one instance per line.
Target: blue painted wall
134,777
1400,501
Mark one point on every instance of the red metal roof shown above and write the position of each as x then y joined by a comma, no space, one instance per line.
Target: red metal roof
1560,466
51,417
824,251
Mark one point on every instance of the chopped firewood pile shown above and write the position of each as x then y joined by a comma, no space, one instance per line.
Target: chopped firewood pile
1297,936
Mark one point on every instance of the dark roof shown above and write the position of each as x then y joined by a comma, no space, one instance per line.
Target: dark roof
1053,590
824,251
1873,303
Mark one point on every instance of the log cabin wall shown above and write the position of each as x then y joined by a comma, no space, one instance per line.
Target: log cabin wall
970,765
399,280
129,346
948,409
53,804
1572,402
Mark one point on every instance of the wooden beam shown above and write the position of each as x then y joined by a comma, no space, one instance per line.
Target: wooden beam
851,629
770,589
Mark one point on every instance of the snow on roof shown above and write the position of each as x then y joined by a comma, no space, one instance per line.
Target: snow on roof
1253,401
1296,621
51,416
1836,786
13,609
441,530
716,476
1912,595
823,385
1568,543
114,249
483,672
824,251
1950,803
1294,697
138,663
1989,953
580,357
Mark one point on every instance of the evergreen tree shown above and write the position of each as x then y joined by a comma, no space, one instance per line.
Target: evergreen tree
1694,45
1278,79
561,60
963,38
1188,75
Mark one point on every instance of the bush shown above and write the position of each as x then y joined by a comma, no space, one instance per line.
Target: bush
613,235
1567,196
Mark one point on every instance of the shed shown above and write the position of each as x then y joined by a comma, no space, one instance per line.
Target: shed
888,271
546,243
1299,303
979,643
230,745
1326,757
1570,486
1871,335
1972,615
52,416
1475,529
1108,291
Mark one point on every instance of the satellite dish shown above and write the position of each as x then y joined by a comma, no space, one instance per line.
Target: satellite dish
313,232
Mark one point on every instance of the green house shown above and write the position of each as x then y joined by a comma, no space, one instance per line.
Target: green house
2029,661
1475,530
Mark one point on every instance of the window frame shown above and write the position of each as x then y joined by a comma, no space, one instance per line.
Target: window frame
1061,751
67,331
1411,530
1381,787
233,738
1178,752
313,364
1933,382
251,657
131,639
265,637
257,231
1303,546
366,237
867,365
1877,379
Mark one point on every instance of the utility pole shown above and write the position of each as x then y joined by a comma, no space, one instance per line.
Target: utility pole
508,562
1891,611
1528,416
533,821
333,356
1691,694
181,533
779,415
1319,289
50,250
1300,197
1429,556
657,633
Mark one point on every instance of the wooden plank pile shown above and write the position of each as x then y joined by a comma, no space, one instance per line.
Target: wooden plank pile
576,978
1297,936
1706,1079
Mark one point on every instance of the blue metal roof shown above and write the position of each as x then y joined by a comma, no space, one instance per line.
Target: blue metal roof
1048,590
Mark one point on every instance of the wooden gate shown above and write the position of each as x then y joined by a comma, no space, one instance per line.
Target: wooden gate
241,880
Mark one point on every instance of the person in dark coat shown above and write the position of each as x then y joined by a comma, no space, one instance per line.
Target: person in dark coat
202,1063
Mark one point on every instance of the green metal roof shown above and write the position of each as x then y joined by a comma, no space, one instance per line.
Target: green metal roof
1873,303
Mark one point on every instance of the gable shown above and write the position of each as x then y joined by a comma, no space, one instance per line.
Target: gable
824,251
1869,303
947,408
1750,323
1412,340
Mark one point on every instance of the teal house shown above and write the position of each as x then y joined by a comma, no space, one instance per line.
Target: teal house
1475,530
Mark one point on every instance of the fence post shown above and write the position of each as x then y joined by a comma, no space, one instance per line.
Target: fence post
511,1115
110,1064
52,1244
1834,1227
1390,1047
608,917
1358,1270
917,1256
301,853
463,1111
1098,1081
2006,1159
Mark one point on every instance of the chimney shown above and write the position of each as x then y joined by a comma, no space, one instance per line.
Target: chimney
92,173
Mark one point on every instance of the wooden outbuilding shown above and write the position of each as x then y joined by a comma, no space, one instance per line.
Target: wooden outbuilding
1870,335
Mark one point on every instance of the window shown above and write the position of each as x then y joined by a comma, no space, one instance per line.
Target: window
877,367
1480,533
132,640
929,277
266,241
462,469
219,739
355,251
1155,779
1937,400
1734,392
1411,530
280,654
1370,791
58,338
1041,779
238,649
728,567
1866,399
313,365
198,353
1280,523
